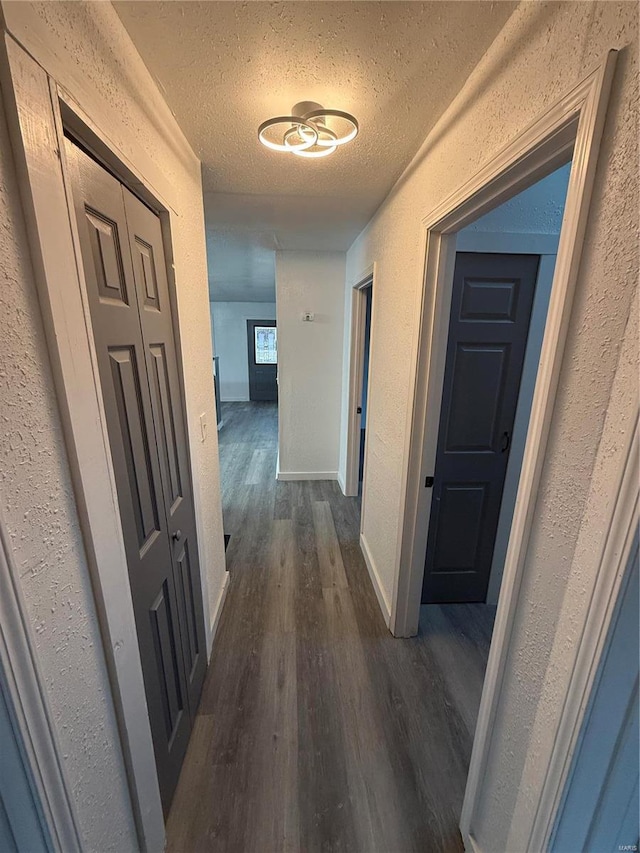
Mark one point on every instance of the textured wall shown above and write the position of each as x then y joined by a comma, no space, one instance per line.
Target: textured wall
86,49
541,53
229,325
38,507
310,359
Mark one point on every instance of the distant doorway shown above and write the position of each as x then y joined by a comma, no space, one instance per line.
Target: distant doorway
364,391
262,341
359,384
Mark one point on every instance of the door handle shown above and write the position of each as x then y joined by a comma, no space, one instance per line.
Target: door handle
177,536
506,441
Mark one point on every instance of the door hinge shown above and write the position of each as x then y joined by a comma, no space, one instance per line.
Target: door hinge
428,482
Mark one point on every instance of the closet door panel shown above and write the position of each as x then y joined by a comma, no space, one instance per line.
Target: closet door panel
152,289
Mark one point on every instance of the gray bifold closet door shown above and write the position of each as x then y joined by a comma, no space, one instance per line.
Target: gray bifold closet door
124,264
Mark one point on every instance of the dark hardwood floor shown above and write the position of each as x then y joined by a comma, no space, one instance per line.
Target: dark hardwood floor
317,730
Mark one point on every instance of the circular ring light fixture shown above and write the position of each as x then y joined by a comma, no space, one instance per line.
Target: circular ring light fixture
319,117
309,139
326,142
310,131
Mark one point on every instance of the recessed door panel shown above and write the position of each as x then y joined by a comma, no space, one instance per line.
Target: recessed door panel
168,661
190,613
144,260
127,392
162,391
453,552
489,300
478,388
490,312
107,257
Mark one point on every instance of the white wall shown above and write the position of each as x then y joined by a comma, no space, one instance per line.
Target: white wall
229,326
309,362
86,49
527,68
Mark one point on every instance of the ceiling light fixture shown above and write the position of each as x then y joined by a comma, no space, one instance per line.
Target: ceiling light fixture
310,131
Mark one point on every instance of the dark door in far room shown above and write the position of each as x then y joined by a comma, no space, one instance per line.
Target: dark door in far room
262,340
123,260
490,314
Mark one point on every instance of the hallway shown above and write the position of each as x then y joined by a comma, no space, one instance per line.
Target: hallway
317,730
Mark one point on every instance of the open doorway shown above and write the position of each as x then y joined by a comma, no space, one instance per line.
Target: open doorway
364,390
262,355
360,383
502,280
503,272
246,358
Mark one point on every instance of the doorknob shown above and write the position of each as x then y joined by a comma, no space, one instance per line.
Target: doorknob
177,536
506,441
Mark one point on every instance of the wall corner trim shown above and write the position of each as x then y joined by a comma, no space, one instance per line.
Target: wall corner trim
383,601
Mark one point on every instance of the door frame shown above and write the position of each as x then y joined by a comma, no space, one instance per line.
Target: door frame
26,697
38,112
356,368
571,129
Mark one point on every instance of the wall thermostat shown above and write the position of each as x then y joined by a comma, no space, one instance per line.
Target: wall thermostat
308,317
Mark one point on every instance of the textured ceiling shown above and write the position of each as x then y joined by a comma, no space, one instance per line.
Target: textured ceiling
224,67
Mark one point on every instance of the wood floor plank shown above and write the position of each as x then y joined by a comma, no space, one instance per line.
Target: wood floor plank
452,633
377,812
332,572
317,730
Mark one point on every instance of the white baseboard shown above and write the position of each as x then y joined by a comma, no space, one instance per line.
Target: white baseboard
219,605
234,400
385,606
307,475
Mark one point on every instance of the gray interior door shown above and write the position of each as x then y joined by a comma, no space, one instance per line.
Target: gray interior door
263,360
490,314
124,266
